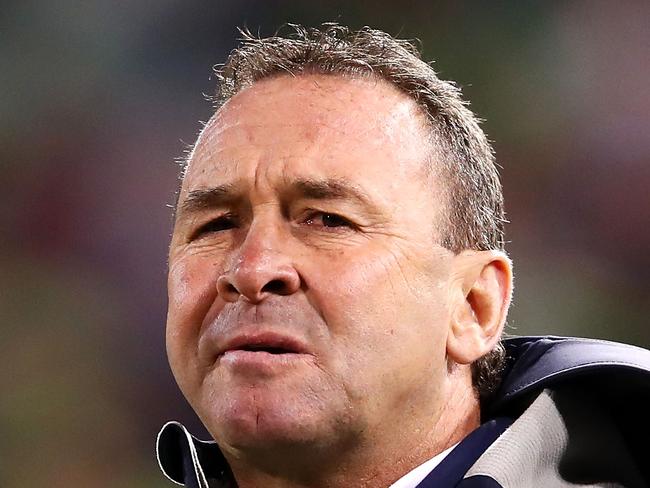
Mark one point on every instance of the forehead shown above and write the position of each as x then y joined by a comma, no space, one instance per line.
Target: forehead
313,124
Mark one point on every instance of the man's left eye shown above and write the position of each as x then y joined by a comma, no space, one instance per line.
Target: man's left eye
326,219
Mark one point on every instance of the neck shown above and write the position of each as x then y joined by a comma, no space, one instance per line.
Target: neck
368,460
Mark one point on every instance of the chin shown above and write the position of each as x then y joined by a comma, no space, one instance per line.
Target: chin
250,419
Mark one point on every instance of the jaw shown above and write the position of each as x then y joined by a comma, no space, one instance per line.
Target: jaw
272,407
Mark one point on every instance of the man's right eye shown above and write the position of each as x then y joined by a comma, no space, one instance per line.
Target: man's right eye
224,222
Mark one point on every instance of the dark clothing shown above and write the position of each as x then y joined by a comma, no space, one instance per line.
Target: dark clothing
569,412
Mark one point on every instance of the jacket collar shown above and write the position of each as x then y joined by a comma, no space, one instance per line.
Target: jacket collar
189,461
535,363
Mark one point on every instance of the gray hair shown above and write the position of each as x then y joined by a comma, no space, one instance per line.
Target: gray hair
474,217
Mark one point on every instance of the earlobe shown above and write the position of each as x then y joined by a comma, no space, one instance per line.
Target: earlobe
483,290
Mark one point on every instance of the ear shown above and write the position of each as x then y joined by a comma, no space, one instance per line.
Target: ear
482,292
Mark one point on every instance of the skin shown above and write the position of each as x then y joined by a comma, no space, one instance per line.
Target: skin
387,320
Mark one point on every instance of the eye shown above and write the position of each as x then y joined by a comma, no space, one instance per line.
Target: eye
330,220
224,222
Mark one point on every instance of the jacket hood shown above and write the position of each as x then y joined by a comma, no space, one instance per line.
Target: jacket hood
535,363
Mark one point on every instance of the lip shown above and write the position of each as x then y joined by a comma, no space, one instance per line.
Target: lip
263,354
267,342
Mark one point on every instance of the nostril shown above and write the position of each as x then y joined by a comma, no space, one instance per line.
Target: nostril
227,290
275,286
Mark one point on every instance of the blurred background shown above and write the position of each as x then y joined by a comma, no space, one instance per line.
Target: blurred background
99,98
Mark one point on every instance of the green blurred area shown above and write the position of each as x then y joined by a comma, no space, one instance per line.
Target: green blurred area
97,101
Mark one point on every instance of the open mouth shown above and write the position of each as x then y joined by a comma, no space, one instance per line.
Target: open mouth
266,342
269,349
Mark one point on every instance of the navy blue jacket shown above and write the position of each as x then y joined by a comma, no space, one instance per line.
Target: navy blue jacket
616,378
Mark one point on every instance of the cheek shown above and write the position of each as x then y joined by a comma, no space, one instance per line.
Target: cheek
384,289
384,315
192,291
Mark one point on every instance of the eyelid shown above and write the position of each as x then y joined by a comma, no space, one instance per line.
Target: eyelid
311,213
202,229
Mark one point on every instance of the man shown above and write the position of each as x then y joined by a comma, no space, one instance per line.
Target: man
338,290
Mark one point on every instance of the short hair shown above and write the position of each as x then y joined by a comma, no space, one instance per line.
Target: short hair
474,216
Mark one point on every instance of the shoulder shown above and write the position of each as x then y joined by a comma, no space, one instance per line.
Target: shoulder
580,410
535,363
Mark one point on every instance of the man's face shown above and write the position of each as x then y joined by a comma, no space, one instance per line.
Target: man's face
308,299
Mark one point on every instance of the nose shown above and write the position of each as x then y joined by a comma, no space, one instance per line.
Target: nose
261,269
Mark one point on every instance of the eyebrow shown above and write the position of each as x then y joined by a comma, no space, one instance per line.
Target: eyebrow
315,189
207,198
330,189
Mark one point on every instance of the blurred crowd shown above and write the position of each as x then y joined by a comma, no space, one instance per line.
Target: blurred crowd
99,99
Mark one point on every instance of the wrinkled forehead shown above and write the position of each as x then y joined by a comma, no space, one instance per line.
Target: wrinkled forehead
330,115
